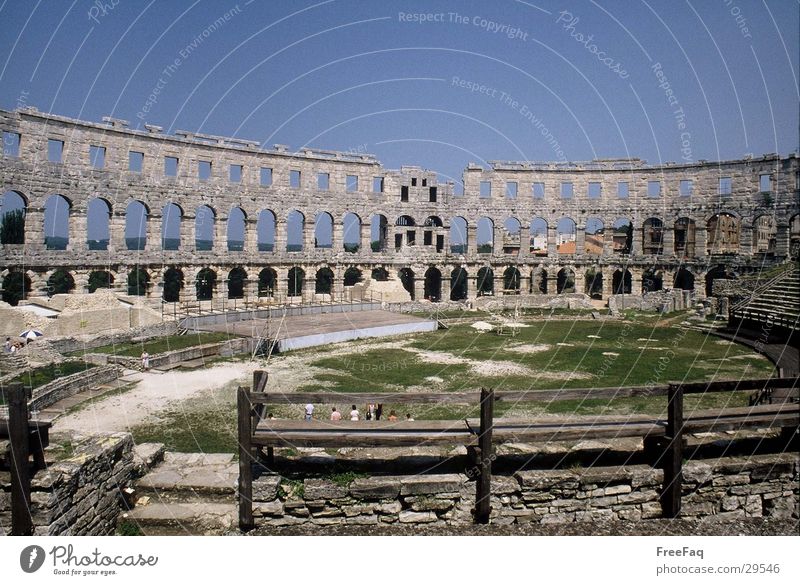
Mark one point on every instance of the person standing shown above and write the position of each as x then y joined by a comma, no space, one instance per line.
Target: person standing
354,414
145,361
335,414
7,346
309,411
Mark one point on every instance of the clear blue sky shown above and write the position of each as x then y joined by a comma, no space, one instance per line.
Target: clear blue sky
344,74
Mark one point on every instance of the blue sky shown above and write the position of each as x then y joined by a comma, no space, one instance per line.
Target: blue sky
437,90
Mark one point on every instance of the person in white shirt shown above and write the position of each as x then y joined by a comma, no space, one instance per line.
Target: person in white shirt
354,415
309,411
335,414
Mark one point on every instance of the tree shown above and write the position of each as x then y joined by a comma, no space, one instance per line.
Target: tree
16,285
138,280
12,227
60,282
100,279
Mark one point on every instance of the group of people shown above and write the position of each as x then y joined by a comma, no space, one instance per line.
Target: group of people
372,412
12,346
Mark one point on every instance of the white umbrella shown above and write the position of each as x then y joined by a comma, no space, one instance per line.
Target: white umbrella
31,334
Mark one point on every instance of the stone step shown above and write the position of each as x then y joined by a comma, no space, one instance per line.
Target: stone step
168,519
191,477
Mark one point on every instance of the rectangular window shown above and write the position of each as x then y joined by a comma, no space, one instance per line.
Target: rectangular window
538,190
432,194
511,189
294,179
97,156
135,161
687,186
235,173
486,189
171,166
204,170
10,144
351,183
266,177
566,190
323,181
654,188
725,186
413,181
404,193
55,150
765,183
377,184
623,190
424,182
595,190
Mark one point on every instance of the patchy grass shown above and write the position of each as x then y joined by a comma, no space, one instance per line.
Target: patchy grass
160,345
46,374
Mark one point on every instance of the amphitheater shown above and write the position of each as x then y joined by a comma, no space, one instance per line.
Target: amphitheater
195,217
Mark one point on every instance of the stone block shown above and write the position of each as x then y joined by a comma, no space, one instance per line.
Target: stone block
375,488
265,488
409,517
321,489
430,484
542,480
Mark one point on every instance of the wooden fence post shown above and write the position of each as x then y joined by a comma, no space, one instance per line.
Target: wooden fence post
243,409
19,435
673,457
483,506
260,379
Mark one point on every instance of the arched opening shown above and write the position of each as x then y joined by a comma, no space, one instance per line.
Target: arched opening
60,282
485,235
265,231
12,218
723,234
717,273
511,235
458,284
485,282
539,281
295,277
623,236
652,280
684,235
380,274
539,237
566,236
98,215
594,284
205,284
378,233
324,281
138,282
237,221
295,228
56,222
433,234
267,283
99,279
458,235
433,284
204,228
16,286
173,284
407,278
351,233
323,231
406,233
653,236
593,237
236,281
765,234
794,236
136,225
621,283
511,281
352,276
171,216
684,280
565,281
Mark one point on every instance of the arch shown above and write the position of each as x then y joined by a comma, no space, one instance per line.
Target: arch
565,281
621,282
265,230
433,234
204,220
380,274
653,236
323,284
512,232
99,279
684,237
237,227
539,236
407,236
16,286
652,280
171,216
98,216
352,276
684,280
485,282
539,281
485,235
136,217
407,278
623,236
458,235
723,233
267,282
566,236
237,278
765,234
351,233
205,284
56,222
511,280
433,221
717,273
13,206
323,230
295,231
794,236
379,232
593,283
60,282
138,282
433,284
173,285
458,284
593,236
295,278
405,221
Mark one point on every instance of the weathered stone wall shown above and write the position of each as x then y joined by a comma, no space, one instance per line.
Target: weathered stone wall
80,494
67,386
661,301
86,343
761,485
228,348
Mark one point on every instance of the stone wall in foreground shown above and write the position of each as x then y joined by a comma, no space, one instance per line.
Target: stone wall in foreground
757,486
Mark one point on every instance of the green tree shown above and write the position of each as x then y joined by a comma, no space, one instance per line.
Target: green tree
60,282
15,287
100,279
138,280
12,227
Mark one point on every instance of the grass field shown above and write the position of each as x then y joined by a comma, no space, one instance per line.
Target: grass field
41,376
160,345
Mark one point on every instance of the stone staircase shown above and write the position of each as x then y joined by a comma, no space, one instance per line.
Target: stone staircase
776,303
182,493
